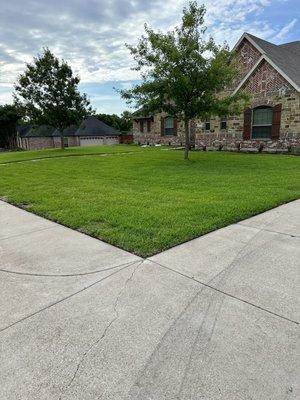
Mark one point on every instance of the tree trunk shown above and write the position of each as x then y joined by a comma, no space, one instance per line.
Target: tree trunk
62,144
187,139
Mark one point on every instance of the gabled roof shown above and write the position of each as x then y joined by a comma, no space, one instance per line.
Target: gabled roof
91,126
285,58
69,131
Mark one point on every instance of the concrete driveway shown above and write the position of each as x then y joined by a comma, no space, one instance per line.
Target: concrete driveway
214,318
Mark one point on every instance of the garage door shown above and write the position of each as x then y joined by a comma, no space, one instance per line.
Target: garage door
91,141
96,141
112,140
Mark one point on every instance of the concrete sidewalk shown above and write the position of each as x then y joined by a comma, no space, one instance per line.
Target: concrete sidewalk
214,318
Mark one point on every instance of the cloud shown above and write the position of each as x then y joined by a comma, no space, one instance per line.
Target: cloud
286,29
91,34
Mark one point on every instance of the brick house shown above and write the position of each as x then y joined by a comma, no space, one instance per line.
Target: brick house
90,132
271,74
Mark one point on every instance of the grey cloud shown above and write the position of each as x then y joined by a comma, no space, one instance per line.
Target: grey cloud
90,34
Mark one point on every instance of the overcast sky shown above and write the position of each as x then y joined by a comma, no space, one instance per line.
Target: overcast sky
90,35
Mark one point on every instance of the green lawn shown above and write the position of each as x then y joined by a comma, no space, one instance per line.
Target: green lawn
12,156
148,199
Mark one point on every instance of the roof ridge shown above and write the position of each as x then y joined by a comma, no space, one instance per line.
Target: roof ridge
260,39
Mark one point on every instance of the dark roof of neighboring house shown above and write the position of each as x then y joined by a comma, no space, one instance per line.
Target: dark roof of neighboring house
40,131
285,56
91,126
69,131
22,130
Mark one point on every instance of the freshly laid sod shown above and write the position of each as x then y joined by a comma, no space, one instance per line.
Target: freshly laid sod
147,201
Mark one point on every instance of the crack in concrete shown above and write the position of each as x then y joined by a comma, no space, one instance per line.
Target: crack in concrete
127,265
96,342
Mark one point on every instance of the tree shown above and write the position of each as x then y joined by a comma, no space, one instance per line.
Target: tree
126,117
183,73
9,117
47,93
123,123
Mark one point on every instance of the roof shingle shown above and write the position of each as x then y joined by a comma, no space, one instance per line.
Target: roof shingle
92,126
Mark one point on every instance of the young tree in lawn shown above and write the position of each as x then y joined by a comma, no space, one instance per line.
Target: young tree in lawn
183,73
9,117
47,93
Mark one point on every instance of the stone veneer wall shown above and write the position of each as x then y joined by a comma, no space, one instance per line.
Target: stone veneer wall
232,137
268,87
155,136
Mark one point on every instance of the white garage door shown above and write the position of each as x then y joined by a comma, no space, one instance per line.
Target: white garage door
97,140
112,140
91,141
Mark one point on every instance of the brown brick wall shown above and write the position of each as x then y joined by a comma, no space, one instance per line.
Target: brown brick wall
37,143
73,141
126,139
56,142
266,80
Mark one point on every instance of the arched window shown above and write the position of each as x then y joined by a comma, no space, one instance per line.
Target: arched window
262,122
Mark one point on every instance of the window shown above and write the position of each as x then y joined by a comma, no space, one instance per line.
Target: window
169,126
262,122
141,126
148,125
145,126
207,125
223,123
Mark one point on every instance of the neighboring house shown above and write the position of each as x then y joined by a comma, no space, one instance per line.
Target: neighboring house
94,132
30,138
69,137
271,74
90,132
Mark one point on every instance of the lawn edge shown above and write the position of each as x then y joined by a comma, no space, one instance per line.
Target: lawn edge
149,256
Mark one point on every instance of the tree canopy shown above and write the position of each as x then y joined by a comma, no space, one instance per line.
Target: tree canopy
9,117
184,73
123,123
47,93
